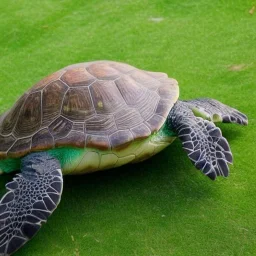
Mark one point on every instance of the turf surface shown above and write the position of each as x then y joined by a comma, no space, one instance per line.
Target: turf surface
162,206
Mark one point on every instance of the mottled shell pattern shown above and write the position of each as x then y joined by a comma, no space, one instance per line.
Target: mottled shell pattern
102,104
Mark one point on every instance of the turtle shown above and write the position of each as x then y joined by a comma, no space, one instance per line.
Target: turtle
95,116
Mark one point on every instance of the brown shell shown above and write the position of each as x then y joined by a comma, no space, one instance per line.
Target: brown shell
101,104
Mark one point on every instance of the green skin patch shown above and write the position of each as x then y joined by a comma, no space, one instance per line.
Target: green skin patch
79,160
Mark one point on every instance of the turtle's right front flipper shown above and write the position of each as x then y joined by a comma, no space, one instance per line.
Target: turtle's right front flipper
31,198
202,140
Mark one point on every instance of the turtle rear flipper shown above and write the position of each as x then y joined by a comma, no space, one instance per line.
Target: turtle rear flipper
216,111
31,198
202,140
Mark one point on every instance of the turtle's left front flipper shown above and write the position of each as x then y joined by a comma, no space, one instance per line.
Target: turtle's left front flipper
216,111
31,198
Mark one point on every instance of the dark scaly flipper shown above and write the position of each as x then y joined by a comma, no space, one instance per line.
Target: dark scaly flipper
202,140
216,111
31,198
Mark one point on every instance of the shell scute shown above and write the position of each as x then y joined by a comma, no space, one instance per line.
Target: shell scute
106,97
127,118
77,104
78,127
131,91
42,140
52,99
78,77
148,104
103,71
100,125
60,127
29,119
144,79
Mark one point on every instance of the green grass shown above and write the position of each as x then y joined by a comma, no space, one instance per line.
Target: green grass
162,206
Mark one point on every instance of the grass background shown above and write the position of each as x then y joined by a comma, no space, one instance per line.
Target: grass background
162,206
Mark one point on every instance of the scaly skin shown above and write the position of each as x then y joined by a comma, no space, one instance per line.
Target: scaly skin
208,150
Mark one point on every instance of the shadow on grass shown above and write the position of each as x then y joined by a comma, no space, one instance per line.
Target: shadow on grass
232,131
166,179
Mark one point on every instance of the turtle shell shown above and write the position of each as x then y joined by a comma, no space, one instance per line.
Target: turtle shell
102,104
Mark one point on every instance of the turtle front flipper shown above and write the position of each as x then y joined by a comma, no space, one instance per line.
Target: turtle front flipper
31,198
202,140
216,111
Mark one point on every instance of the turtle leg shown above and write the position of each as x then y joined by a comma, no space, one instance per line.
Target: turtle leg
31,198
208,150
216,111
